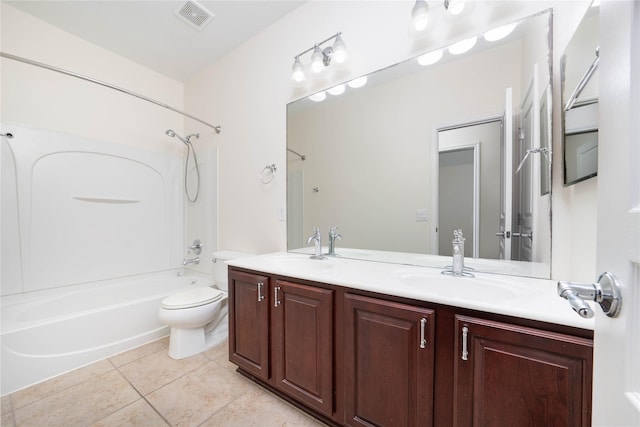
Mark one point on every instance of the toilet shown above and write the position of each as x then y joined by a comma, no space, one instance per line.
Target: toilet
198,316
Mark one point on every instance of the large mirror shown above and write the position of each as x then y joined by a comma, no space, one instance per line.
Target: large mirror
420,150
579,76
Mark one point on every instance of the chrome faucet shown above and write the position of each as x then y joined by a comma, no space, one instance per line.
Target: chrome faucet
317,242
188,261
458,253
332,241
458,268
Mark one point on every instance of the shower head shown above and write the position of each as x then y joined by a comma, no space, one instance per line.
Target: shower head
172,134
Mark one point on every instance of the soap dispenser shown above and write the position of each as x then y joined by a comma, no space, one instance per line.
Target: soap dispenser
458,253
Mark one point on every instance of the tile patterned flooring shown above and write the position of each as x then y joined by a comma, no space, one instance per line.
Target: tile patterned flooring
145,387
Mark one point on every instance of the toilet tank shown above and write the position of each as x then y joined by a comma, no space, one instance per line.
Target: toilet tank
220,273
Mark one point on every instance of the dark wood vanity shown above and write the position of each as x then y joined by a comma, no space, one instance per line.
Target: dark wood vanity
356,358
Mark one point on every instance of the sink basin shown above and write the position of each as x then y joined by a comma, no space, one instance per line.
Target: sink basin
493,290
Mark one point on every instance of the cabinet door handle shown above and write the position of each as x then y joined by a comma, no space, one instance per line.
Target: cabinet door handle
276,300
465,352
260,296
423,340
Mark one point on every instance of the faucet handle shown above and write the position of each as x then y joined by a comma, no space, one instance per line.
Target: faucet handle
315,236
333,234
196,246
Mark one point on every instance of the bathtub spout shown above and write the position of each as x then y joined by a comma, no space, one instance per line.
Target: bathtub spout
188,261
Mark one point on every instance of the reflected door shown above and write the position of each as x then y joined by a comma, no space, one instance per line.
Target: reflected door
506,172
457,208
523,182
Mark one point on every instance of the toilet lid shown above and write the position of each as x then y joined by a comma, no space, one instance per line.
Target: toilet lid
192,298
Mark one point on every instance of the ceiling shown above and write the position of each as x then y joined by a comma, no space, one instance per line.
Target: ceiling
150,32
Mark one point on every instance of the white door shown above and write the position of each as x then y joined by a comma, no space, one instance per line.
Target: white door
506,178
616,397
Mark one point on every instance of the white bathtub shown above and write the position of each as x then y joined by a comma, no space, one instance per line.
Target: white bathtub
49,332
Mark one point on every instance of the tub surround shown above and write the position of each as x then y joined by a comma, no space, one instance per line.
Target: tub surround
523,297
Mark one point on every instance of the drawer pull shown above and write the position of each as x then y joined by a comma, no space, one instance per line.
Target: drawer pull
260,296
276,300
423,340
465,352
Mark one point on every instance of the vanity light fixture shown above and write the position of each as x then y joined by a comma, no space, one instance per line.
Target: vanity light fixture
337,90
298,71
454,7
318,97
420,15
430,57
462,46
500,32
320,58
359,82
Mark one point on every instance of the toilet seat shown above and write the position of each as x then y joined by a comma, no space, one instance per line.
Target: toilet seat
192,298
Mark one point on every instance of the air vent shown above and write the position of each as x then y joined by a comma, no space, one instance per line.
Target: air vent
194,14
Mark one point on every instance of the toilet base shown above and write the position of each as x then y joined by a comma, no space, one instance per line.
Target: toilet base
189,342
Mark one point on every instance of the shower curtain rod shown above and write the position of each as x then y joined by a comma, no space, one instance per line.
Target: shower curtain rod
302,156
110,86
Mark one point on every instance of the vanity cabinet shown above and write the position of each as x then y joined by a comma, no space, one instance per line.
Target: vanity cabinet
388,367
302,343
358,358
518,376
249,322
281,332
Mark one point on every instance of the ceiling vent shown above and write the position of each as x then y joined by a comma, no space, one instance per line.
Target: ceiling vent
194,14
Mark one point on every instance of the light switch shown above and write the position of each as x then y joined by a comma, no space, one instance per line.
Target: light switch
422,215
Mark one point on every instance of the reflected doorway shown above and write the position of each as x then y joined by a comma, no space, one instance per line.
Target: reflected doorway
469,187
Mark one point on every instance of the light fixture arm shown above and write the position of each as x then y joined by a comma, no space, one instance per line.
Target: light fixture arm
336,35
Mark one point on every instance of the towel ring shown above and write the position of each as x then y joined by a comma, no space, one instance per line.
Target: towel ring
268,173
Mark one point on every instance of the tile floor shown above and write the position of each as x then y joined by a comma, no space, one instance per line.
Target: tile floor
145,387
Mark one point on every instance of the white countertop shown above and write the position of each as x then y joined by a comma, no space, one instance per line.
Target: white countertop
523,297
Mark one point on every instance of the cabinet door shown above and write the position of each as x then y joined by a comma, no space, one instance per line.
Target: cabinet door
388,363
302,355
249,322
517,376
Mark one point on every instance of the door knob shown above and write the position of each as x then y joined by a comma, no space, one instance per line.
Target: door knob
504,234
606,292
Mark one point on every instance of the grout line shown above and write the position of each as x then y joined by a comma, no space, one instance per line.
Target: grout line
143,397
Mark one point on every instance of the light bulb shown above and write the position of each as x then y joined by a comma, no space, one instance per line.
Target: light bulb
318,97
359,82
462,46
500,32
339,51
454,7
420,15
317,58
337,90
430,58
298,71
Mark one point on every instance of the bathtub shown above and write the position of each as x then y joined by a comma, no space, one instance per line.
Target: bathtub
50,332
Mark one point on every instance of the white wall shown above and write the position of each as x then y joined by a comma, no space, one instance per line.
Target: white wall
41,98
247,92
